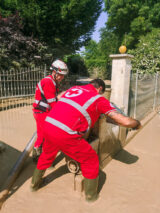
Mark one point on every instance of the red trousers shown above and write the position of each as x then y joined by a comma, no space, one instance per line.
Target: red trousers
74,146
39,117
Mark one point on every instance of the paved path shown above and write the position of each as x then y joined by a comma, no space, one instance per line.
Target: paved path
129,184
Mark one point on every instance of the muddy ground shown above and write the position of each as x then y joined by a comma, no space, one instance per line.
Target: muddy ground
129,183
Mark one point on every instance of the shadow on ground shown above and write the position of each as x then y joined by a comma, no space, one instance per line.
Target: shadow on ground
126,157
8,160
102,180
10,155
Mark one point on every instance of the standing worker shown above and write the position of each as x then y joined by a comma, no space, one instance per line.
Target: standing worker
73,115
45,99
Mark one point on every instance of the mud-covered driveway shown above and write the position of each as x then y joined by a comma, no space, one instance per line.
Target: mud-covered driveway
130,183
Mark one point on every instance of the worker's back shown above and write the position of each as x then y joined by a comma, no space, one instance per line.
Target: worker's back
79,108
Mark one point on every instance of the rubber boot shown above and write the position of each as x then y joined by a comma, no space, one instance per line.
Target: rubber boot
36,153
37,179
90,188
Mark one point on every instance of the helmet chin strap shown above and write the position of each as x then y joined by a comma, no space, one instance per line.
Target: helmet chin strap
54,74
55,78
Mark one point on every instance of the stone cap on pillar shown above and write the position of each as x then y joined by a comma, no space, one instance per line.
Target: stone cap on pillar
121,56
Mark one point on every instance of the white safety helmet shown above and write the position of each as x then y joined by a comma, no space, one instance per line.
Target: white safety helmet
60,67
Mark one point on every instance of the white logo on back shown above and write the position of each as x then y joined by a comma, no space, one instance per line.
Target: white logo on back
73,93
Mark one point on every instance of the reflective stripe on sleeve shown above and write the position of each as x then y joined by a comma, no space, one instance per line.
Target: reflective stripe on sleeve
39,85
60,125
91,100
41,90
42,103
112,110
51,100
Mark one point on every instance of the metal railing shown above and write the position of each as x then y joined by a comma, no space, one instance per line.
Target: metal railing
17,87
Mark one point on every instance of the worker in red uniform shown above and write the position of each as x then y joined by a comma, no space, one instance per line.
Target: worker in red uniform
73,115
45,99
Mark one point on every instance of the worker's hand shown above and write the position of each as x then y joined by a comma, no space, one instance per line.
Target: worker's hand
139,126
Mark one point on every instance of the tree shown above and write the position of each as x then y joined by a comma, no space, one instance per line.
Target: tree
109,44
94,60
8,7
146,55
129,19
76,65
97,54
17,50
63,25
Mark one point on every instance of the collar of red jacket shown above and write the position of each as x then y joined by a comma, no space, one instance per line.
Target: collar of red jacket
91,88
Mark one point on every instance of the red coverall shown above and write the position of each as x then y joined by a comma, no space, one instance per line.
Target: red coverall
77,110
41,106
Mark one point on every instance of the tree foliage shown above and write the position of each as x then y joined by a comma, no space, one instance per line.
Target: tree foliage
16,49
95,60
109,43
146,55
63,25
129,19
76,65
97,54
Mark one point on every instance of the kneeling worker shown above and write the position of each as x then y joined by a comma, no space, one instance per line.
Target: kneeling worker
77,110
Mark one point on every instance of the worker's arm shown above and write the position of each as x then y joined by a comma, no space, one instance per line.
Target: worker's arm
49,90
124,120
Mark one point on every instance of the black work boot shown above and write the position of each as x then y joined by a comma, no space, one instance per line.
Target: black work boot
36,153
37,179
90,188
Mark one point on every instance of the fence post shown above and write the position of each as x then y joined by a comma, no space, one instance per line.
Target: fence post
120,82
155,91
45,70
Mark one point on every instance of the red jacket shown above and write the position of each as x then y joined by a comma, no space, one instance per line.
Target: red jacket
45,95
78,109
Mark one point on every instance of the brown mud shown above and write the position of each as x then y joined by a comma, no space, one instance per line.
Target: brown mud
129,183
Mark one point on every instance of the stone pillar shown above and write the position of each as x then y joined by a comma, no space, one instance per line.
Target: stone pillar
120,80
120,83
